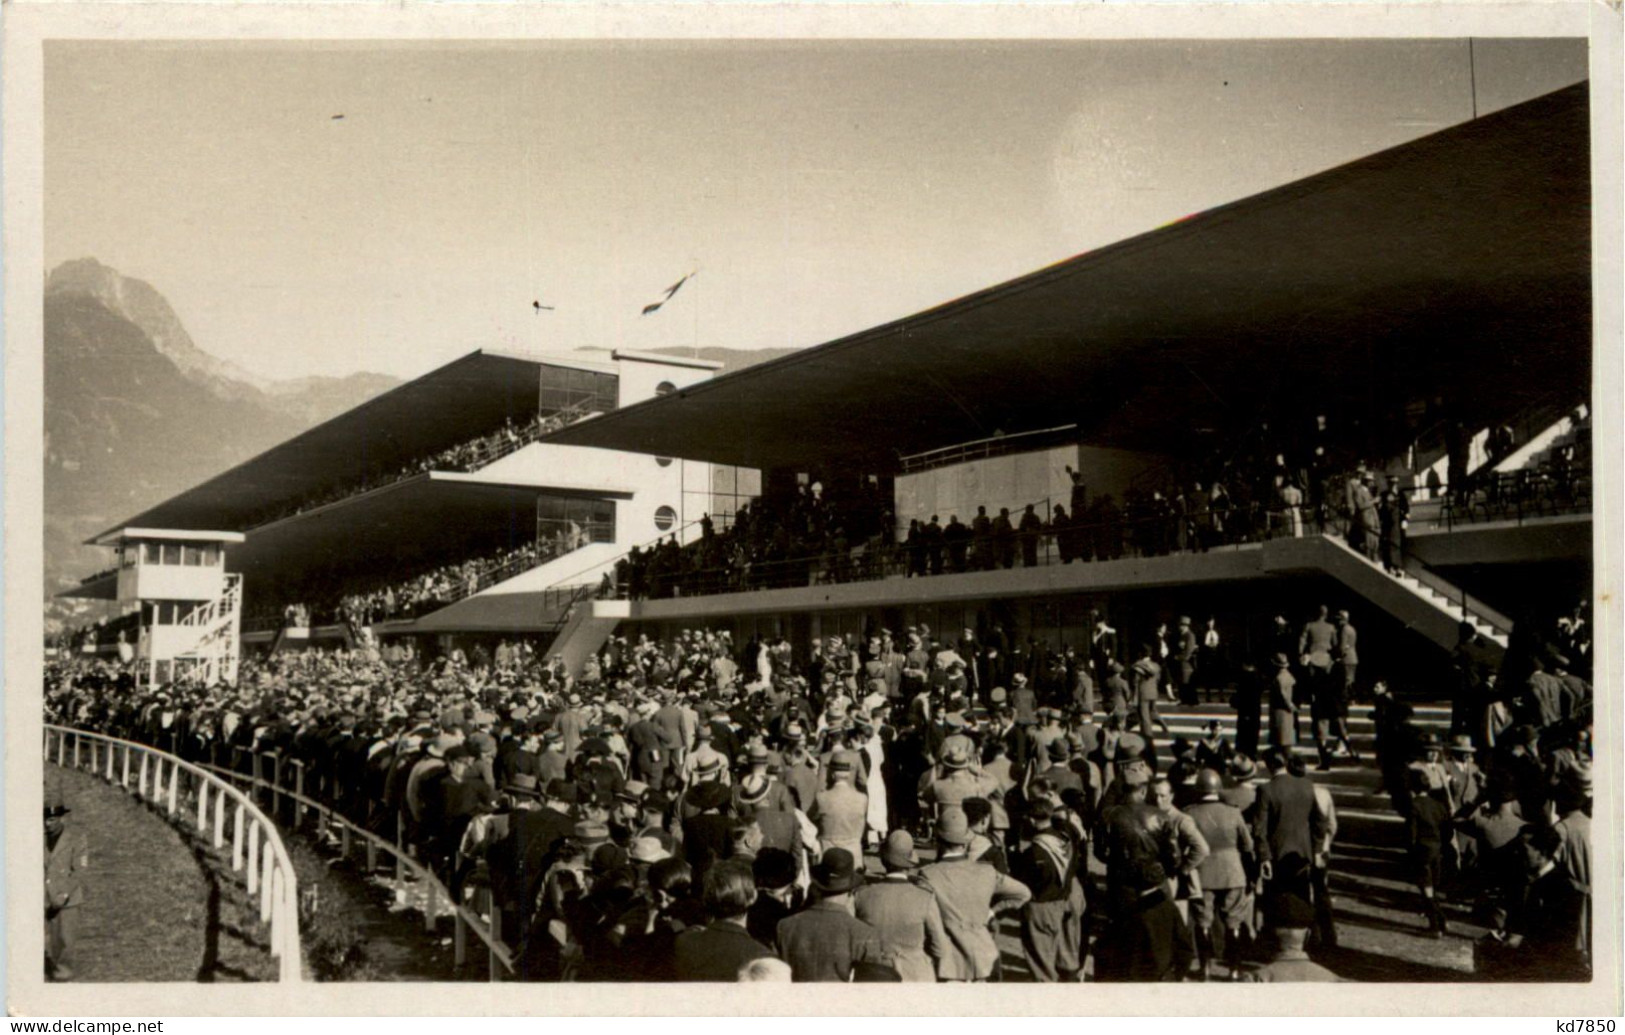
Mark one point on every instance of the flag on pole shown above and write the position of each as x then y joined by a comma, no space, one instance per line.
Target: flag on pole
652,306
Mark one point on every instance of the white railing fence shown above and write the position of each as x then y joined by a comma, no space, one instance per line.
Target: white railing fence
258,855
266,774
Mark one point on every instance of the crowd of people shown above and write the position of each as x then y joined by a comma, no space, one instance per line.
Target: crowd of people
909,807
464,457
392,595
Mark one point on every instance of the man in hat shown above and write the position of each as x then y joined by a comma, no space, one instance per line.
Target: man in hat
907,917
571,724
1185,650
775,872
840,811
707,826
1290,918
67,857
775,795
803,774
651,753
1317,646
519,862
552,764
1052,921
970,894
950,783
825,942
1224,905
705,761
1283,705
1288,824
779,826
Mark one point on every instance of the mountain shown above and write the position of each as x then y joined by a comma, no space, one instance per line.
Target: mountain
135,412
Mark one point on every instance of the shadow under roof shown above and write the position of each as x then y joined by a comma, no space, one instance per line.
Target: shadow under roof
449,405
435,515
1458,262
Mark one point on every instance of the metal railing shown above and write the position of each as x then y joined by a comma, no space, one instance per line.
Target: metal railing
983,448
257,851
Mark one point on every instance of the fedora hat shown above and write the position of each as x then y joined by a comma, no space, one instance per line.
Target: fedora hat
836,872
647,850
955,758
523,783
1462,744
753,790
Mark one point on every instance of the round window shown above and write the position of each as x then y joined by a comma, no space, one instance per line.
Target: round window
663,461
665,517
665,388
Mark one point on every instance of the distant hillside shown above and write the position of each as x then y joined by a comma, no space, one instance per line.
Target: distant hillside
135,412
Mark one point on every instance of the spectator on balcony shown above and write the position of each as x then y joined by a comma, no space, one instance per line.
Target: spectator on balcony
1031,531
1004,539
957,536
981,530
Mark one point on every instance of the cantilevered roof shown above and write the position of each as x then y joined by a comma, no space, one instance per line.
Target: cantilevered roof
435,515
444,407
1459,262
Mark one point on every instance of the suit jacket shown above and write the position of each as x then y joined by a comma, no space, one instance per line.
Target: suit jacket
569,724
840,813
824,941
805,778
969,893
1287,819
651,752
909,925
716,952
1347,639
520,861
64,861
1317,642
1228,840
780,828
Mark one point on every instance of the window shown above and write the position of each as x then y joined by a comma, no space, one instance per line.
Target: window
665,388
150,554
191,556
665,517
172,553
564,524
663,461
562,388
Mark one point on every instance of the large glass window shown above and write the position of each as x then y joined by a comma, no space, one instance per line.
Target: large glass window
150,554
563,388
191,555
172,553
568,524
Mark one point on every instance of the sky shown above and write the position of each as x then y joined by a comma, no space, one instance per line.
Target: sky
815,189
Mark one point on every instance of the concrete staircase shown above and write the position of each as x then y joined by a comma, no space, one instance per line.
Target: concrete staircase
587,627
1422,600
1369,832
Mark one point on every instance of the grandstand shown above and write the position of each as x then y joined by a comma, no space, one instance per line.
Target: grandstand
436,500
1368,390
1394,314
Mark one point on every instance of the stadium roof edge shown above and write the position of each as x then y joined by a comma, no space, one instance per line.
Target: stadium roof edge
1403,183
394,418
